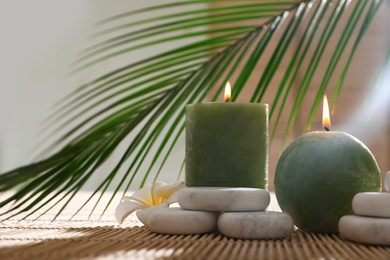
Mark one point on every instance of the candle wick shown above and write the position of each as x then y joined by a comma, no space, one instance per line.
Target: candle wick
326,128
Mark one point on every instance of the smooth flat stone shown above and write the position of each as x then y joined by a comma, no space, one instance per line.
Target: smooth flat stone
223,199
181,222
374,204
386,181
143,214
255,225
365,229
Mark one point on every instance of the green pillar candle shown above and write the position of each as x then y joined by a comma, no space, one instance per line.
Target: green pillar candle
227,145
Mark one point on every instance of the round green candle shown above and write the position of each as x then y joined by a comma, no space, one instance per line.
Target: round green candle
317,176
227,145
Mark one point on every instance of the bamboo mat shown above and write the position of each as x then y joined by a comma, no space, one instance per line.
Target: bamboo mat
81,238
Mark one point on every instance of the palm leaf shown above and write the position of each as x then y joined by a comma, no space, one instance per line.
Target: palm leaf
146,99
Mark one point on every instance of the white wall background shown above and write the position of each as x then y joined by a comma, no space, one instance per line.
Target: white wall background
38,42
35,41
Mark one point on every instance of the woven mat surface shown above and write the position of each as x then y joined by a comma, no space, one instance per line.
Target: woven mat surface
81,238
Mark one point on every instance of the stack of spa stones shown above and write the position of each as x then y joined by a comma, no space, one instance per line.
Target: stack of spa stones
371,224
235,212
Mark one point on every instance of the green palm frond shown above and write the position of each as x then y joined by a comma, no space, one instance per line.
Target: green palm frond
146,99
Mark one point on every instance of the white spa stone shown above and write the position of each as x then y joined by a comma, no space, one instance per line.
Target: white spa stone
255,225
374,204
178,221
367,230
143,214
386,181
223,199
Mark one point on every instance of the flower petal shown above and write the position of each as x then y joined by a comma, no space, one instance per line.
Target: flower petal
143,195
125,208
165,192
155,196
172,198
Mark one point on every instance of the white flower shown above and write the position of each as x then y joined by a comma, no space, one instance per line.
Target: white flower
150,195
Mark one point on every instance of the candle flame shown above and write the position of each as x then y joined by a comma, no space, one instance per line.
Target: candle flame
228,92
325,114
